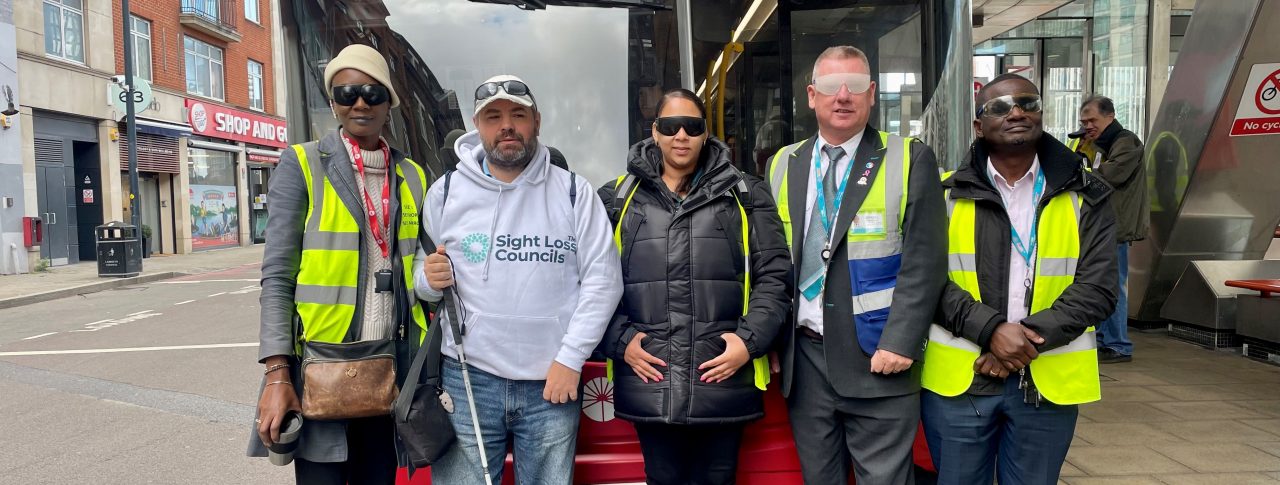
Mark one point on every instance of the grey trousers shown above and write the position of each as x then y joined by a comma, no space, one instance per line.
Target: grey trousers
877,434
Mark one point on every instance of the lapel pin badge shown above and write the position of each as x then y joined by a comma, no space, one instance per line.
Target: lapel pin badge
862,181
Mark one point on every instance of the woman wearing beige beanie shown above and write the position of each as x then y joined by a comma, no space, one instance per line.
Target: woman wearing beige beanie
343,229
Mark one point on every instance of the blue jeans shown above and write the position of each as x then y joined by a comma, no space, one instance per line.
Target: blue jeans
1113,333
975,438
545,434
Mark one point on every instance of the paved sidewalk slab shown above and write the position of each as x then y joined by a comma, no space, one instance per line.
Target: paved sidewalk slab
77,279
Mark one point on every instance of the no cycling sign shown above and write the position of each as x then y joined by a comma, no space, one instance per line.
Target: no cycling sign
1259,111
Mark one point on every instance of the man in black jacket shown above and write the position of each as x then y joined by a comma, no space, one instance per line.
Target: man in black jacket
1031,270
1116,155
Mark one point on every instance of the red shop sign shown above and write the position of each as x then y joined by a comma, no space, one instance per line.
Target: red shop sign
218,121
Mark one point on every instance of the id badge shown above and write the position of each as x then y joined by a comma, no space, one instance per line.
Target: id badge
382,281
867,223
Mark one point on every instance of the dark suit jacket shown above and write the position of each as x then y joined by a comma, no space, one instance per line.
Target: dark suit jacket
919,285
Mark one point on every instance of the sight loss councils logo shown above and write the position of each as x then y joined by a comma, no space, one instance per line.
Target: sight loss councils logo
475,247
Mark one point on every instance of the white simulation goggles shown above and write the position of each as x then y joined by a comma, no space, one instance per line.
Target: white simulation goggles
829,84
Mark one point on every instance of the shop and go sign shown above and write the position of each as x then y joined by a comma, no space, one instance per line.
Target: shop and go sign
218,121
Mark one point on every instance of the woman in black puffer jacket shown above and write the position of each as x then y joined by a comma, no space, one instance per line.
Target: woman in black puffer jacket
681,344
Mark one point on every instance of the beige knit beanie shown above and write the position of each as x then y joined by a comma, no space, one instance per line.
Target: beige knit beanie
364,59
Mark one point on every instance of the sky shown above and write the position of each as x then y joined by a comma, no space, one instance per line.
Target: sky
574,60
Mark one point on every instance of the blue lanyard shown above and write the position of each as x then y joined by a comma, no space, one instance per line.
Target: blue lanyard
1028,252
821,202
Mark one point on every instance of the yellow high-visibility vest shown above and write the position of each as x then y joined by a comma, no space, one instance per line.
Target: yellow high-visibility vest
328,273
1065,375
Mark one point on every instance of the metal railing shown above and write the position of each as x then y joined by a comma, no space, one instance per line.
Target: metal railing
220,13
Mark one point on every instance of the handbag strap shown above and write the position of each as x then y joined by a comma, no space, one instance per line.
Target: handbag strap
429,354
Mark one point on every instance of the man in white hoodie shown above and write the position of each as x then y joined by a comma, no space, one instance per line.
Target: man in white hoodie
529,249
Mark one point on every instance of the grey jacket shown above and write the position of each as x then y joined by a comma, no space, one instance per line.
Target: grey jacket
320,441
919,281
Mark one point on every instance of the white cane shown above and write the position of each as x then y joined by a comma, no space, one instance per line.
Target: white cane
475,418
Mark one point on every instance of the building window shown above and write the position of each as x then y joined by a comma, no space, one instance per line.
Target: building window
255,85
204,69
251,10
64,29
140,33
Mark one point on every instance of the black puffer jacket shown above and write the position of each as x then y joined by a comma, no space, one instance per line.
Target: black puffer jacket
683,268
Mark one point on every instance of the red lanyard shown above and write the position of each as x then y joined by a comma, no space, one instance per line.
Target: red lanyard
374,226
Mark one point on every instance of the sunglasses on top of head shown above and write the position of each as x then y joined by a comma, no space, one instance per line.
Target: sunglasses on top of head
1000,107
373,94
514,88
671,125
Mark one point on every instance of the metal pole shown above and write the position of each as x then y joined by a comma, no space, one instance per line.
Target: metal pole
684,28
131,127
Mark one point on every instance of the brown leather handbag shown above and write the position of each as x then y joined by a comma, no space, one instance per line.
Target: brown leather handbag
348,380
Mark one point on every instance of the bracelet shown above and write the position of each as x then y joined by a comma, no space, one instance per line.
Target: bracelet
275,368
278,382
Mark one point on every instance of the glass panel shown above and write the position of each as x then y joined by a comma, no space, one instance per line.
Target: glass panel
215,53
73,32
888,34
251,10
1063,85
1120,56
142,57
192,85
53,29
215,80
76,4
202,77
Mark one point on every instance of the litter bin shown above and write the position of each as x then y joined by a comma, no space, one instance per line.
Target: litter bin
119,249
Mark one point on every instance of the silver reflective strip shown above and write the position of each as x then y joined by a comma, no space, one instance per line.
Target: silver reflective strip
408,247
1057,267
415,183
893,168
1075,204
875,249
951,203
327,295
876,300
348,241
942,336
962,262
782,159
317,188
1086,341
625,189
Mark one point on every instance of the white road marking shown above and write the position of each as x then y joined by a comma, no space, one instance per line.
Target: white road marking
139,313
217,294
127,349
33,337
111,322
191,282
245,290
183,302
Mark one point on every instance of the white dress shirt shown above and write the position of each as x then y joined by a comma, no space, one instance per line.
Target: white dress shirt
809,312
1021,207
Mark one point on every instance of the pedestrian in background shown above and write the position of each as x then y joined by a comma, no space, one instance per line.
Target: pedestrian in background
1115,154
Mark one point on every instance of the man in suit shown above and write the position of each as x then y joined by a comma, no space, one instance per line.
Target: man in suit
869,218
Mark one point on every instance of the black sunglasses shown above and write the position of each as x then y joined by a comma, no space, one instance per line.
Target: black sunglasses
514,88
1000,107
373,94
669,126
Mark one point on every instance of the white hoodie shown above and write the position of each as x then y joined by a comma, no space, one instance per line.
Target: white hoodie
537,278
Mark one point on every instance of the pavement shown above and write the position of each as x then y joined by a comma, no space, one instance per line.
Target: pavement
156,382
82,278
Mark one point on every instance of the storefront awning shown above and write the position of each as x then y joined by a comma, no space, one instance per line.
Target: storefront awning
163,128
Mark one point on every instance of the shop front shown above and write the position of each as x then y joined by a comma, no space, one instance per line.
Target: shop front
159,175
228,163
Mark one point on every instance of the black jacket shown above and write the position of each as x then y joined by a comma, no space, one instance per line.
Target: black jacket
682,267
1090,299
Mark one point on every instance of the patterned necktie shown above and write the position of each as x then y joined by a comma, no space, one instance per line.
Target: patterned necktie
812,267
